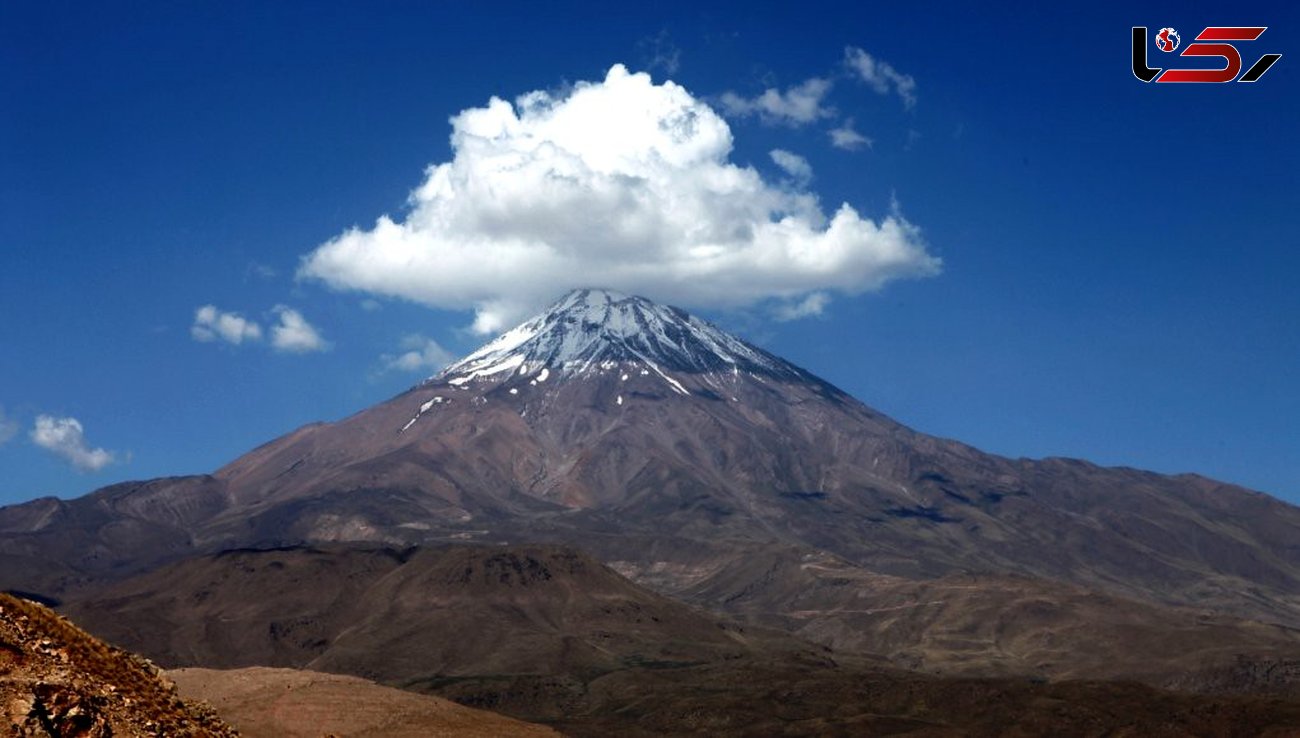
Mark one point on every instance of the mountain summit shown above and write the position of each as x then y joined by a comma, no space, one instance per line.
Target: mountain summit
597,331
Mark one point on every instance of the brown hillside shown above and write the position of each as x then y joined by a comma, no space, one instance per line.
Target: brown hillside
56,680
973,625
394,615
288,703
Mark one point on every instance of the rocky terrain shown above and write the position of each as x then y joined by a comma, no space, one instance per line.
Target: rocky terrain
58,681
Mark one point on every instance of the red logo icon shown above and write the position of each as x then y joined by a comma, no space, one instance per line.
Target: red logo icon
1167,40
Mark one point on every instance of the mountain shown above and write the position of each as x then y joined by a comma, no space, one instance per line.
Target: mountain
708,469
57,680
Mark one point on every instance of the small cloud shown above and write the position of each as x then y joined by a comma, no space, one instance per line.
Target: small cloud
847,137
260,271
420,354
811,305
881,76
660,52
371,305
293,334
794,165
211,324
65,438
8,427
798,105
290,334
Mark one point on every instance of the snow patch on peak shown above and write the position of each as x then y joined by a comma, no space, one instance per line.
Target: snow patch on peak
603,329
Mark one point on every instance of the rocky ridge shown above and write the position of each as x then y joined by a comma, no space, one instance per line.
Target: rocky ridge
56,680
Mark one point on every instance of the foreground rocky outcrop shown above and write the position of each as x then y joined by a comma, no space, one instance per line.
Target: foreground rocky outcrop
56,680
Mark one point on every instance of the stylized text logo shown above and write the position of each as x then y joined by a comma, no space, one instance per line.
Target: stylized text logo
1167,40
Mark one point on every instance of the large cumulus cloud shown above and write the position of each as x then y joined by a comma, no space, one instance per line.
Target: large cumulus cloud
621,183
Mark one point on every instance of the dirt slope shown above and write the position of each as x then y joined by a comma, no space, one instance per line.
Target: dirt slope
289,703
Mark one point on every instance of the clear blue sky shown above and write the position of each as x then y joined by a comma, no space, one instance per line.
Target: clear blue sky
1120,259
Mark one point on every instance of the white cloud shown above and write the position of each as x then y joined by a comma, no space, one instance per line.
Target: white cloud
798,105
794,165
622,184
293,334
64,437
211,324
881,76
8,427
847,137
809,306
420,354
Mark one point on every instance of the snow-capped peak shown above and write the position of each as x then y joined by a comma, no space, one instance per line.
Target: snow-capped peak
592,328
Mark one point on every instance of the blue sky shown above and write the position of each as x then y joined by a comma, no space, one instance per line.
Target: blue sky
1119,259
